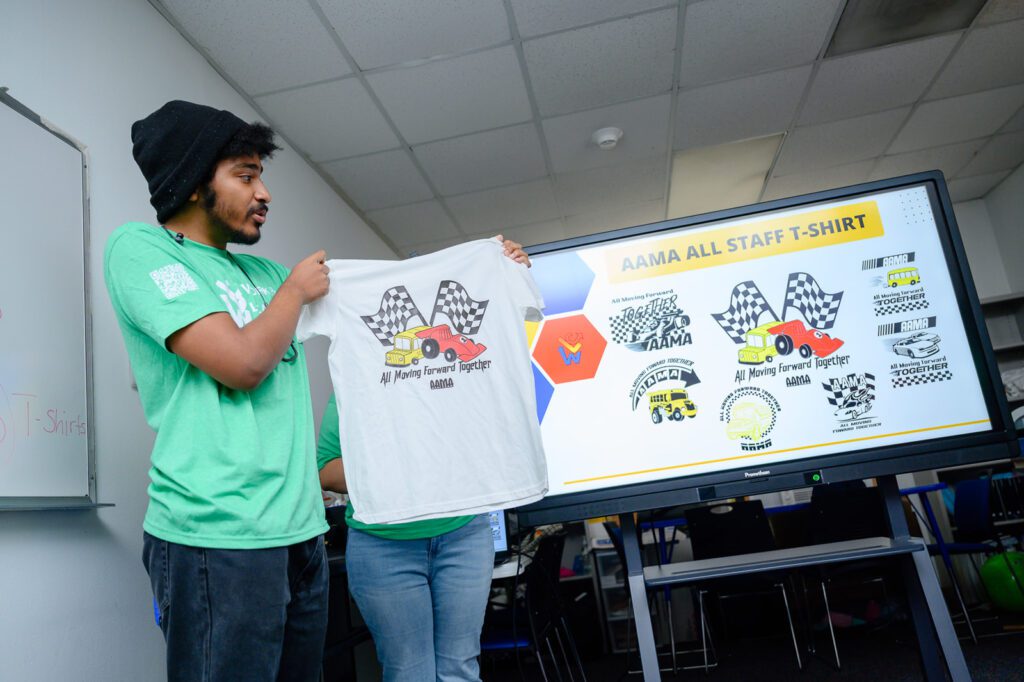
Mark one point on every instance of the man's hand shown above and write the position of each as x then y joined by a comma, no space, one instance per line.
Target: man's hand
309,278
514,250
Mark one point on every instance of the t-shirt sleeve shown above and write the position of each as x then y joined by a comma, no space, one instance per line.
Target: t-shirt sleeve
523,289
155,288
328,445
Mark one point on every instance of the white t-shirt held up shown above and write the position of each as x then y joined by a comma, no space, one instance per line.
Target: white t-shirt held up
432,374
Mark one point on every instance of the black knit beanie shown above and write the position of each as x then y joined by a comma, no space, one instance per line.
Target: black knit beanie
175,148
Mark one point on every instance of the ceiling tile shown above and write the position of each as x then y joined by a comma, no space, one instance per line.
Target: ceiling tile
875,80
262,44
645,133
723,40
382,32
491,159
413,250
453,97
720,113
380,180
1003,152
538,233
965,189
958,118
415,223
611,62
615,218
723,176
989,57
838,143
829,178
949,159
602,189
1001,10
534,17
330,120
1014,124
494,210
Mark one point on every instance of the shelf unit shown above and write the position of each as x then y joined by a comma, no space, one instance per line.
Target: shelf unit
1004,318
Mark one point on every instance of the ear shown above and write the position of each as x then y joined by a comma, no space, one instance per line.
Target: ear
194,197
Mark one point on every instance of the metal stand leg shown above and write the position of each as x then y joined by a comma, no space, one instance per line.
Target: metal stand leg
637,587
940,618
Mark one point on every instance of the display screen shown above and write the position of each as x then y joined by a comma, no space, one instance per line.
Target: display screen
822,328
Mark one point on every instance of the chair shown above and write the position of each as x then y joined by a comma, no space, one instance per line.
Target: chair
536,621
731,529
615,535
846,511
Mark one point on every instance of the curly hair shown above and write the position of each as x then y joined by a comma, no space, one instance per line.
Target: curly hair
253,138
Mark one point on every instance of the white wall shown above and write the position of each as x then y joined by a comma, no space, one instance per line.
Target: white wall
1006,208
982,248
74,598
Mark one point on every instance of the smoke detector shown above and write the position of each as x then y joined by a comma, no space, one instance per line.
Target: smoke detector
607,138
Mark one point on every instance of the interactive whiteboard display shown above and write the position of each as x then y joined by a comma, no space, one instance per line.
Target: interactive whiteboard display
823,328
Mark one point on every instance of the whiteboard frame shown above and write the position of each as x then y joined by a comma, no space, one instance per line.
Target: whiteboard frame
89,501
1000,442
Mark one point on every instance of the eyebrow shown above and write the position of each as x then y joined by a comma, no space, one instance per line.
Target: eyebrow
249,166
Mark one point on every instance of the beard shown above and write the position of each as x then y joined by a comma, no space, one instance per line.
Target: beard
218,219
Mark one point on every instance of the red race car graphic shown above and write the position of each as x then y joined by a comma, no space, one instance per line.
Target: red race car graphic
439,339
806,340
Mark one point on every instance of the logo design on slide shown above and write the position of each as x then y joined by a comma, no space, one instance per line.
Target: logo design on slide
750,414
919,345
742,321
665,386
400,325
654,324
570,350
852,396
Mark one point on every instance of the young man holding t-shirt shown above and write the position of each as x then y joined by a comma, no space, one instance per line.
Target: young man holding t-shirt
233,533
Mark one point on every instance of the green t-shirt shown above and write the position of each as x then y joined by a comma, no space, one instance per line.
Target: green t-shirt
328,447
230,469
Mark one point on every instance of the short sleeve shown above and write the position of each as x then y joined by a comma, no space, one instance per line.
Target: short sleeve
328,445
316,317
523,289
155,287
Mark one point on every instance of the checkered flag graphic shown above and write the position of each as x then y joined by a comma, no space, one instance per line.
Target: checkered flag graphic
818,307
622,331
455,302
396,309
838,395
746,305
926,378
894,308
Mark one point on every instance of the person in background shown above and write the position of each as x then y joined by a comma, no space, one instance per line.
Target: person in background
233,533
422,586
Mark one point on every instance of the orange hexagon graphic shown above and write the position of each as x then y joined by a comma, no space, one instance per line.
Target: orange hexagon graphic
569,349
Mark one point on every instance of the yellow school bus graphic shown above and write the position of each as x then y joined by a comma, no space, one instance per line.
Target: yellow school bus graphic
673,403
408,348
902,277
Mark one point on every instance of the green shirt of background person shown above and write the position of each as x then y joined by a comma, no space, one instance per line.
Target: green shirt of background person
332,477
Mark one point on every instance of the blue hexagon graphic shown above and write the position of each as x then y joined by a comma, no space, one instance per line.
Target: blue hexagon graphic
564,281
544,390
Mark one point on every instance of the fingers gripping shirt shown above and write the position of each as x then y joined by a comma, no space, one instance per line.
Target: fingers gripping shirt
432,372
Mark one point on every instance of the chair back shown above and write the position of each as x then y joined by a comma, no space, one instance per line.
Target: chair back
543,602
729,529
971,512
846,511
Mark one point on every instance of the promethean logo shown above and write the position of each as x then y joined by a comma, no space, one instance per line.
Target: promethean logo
756,474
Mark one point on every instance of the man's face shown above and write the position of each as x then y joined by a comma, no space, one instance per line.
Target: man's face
236,201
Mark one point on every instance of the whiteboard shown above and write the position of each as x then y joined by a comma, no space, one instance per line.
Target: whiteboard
45,425
661,355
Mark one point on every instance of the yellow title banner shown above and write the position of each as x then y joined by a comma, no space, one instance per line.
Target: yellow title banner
811,230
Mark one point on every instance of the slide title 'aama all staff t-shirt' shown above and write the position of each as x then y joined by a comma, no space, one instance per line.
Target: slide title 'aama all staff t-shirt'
432,373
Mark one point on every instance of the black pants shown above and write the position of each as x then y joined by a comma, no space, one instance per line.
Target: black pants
252,615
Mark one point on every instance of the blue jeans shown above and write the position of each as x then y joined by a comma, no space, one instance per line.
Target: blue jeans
251,615
424,600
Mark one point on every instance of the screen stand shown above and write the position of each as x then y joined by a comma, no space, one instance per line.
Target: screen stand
937,641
